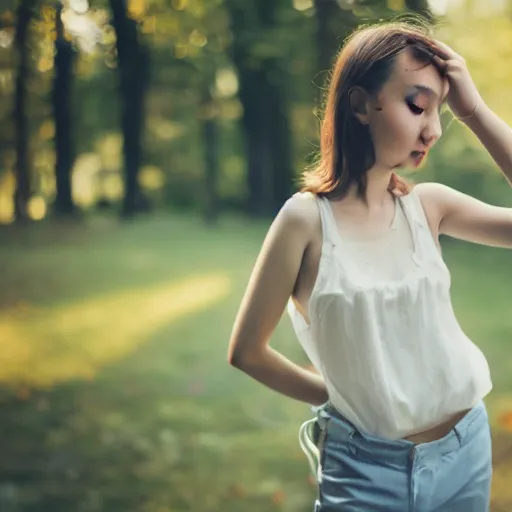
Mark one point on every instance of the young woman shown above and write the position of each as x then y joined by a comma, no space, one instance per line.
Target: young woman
356,256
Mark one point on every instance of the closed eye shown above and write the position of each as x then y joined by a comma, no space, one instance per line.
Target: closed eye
415,109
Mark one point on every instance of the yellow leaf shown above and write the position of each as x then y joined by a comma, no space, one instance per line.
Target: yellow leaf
396,5
136,8
505,420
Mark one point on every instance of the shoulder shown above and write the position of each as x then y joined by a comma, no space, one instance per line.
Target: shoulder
301,211
435,198
431,191
467,218
438,196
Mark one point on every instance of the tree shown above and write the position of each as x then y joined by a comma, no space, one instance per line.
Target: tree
257,56
210,137
332,26
133,64
61,101
24,15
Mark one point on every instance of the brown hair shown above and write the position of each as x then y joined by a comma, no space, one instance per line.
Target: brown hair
346,148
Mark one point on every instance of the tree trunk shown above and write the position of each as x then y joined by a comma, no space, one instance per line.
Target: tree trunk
253,93
332,26
22,170
133,62
61,99
211,162
265,119
280,141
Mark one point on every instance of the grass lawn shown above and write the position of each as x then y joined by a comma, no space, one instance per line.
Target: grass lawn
115,394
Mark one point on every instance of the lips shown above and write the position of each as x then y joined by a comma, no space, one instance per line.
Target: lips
418,156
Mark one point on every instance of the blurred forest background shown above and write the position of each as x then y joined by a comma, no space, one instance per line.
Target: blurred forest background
145,146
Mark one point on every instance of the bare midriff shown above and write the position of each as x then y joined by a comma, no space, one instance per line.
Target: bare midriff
438,431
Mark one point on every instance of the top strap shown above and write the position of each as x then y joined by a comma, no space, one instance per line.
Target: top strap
329,230
415,208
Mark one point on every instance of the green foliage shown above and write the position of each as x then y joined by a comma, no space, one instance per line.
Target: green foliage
191,45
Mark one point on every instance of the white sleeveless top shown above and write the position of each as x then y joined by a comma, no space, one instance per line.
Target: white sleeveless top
382,332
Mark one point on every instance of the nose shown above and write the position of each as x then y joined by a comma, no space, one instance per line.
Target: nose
432,131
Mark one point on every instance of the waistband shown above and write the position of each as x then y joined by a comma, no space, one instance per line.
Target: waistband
340,430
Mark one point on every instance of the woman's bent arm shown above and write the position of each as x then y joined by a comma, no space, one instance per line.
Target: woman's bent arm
271,283
279,373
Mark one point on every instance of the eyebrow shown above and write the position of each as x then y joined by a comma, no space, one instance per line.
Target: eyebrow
427,90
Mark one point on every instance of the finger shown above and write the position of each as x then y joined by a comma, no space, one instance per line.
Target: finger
440,64
446,52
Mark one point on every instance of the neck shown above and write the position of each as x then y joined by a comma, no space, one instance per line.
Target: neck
377,188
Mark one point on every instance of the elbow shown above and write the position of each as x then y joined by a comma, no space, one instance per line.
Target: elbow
233,357
241,360
236,359
233,360
235,353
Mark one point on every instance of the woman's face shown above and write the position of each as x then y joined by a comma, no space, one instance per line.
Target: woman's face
404,118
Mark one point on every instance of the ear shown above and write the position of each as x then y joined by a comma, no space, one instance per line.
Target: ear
359,102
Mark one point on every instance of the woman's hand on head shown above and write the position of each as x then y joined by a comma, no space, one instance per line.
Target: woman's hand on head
463,96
